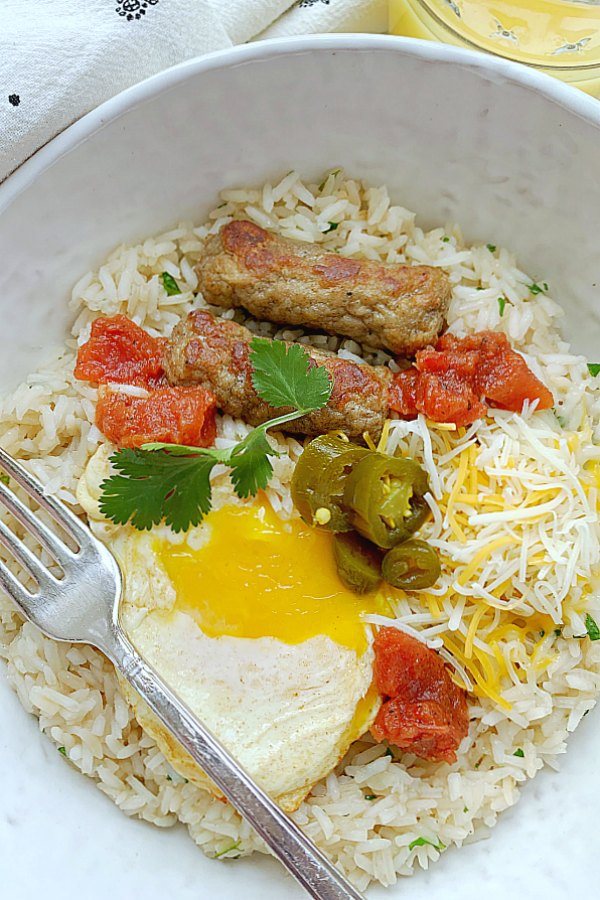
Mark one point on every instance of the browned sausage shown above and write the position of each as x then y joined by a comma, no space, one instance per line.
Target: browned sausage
215,353
399,308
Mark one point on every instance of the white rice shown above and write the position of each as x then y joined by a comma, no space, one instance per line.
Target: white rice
532,688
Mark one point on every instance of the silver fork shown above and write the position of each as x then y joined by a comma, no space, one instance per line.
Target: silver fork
83,607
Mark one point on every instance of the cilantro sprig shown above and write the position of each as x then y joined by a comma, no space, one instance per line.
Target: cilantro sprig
171,482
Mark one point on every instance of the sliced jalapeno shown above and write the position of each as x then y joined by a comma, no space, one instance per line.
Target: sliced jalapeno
384,498
412,566
358,562
318,480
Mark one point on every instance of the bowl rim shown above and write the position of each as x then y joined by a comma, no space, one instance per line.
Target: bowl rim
483,64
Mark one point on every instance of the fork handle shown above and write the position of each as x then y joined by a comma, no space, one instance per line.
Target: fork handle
288,843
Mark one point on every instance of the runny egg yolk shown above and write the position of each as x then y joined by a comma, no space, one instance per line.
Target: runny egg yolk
258,576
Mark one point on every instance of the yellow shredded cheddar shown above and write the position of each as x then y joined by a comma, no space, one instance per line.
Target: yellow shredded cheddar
470,569
385,432
441,426
472,630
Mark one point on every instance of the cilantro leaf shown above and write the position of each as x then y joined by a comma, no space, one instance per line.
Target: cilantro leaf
169,284
594,369
191,496
157,485
592,628
285,376
491,247
445,239
251,467
332,227
502,301
423,842
62,750
520,753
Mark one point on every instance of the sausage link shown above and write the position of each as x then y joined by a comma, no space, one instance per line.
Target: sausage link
395,307
215,353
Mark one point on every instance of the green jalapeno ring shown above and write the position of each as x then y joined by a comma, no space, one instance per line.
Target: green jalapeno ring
384,498
412,565
318,481
358,562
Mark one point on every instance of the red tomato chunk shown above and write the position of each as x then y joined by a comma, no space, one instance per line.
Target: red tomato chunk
174,415
449,382
423,711
120,351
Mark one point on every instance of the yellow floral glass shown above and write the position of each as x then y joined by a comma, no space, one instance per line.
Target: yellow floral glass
560,37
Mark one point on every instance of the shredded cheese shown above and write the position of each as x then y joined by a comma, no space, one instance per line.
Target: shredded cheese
472,630
515,521
469,571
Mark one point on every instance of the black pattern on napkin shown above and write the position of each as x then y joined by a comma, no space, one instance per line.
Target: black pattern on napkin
133,9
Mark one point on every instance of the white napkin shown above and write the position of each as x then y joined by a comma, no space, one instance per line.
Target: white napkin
61,58
310,16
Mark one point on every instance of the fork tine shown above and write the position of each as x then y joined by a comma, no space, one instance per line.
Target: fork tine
50,541
14,588
59,512
23,555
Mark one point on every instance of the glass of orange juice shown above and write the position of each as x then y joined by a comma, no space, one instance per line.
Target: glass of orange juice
560,37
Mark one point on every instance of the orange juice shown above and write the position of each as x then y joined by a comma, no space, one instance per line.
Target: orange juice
561,37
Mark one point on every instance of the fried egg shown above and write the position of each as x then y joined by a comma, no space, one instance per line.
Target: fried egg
246,619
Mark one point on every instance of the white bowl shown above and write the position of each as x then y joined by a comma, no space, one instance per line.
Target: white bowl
510,154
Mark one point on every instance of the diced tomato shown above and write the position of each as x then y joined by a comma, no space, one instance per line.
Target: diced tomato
441,394
459,363
448,342
423,711
506,380
174,415
449,398
120,351
403,392
450,381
